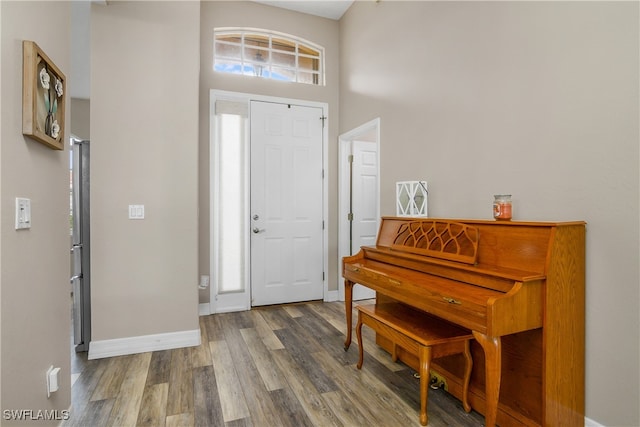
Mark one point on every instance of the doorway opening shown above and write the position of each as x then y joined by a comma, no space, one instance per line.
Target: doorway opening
359,196
262,200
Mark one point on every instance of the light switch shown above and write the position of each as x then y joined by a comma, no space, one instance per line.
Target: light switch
136,211
23,213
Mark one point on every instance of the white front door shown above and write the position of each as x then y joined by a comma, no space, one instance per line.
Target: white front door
286,203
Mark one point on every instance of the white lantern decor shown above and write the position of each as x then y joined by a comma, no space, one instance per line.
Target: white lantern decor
411,198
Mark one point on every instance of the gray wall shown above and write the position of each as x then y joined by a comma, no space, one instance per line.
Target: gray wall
144,150
34,279
534,99
322,31
80,118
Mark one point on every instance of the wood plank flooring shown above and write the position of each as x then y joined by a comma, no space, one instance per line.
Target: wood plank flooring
274,366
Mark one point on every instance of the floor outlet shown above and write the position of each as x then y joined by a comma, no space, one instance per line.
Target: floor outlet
52,380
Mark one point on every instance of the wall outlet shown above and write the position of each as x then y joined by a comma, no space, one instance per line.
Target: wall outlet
204,282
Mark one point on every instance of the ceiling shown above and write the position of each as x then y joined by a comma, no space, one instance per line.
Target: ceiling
332,9
80,44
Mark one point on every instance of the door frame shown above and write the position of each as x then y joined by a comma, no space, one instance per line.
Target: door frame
244,302
345,142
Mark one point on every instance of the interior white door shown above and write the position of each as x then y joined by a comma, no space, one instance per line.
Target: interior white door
286,203
364,197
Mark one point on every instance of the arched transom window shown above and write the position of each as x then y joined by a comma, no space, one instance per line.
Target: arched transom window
267,54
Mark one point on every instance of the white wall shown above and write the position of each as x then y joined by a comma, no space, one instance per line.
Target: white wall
144,150
34,278
534,99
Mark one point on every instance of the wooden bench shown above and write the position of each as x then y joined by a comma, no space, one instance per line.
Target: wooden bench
426,336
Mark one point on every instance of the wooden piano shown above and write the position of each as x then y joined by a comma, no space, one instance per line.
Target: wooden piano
518,286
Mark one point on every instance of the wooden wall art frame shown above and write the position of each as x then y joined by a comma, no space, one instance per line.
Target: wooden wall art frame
43,97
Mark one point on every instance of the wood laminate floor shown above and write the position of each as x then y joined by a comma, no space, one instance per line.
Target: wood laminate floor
273,366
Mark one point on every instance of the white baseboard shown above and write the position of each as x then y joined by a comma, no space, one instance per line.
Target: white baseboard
331,296
204,309
143,344
590,423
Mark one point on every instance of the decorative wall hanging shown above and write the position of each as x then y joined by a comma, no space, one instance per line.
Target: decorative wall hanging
43,97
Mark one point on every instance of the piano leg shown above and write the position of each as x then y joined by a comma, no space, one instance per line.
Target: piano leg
348,302
492,367
425,367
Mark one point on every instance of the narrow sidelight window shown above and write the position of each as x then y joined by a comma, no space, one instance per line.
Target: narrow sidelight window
230,202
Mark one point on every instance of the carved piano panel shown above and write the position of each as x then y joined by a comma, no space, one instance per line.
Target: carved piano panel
519,286
438,239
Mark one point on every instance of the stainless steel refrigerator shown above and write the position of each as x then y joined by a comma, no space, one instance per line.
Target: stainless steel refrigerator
80,247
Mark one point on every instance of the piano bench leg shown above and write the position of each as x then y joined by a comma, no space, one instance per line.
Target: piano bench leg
394,353
359,337
468,365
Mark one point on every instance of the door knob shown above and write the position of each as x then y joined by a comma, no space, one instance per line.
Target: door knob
257,230
256,217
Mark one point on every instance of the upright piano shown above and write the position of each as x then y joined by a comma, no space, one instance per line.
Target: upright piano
518,286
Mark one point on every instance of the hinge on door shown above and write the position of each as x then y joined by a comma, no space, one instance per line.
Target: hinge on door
350,216
323,276
350,158
323,118
323,224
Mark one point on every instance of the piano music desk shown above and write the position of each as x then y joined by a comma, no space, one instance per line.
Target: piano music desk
423,335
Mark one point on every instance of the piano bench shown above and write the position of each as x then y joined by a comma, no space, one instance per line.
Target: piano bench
420,333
